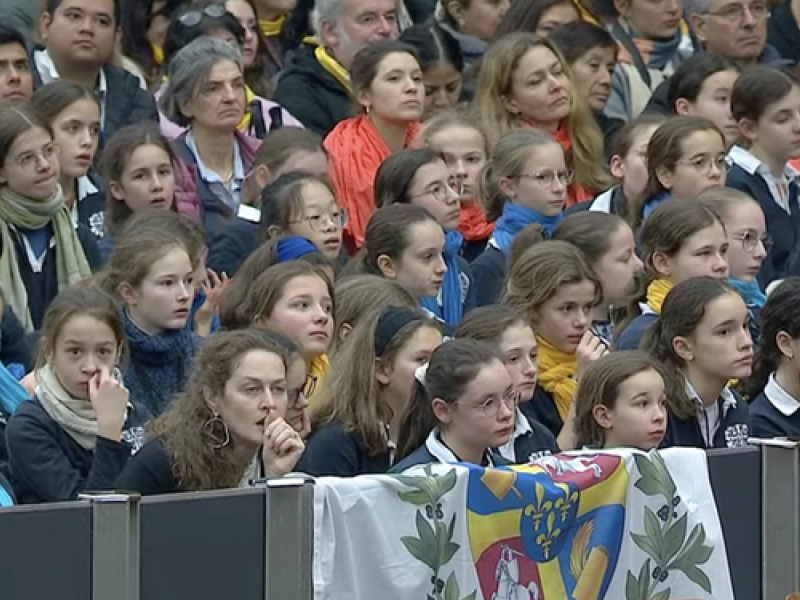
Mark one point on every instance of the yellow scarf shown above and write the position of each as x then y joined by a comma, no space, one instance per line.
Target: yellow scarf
249,96
158,54
318,369
556,371
332,66
656,292
272,28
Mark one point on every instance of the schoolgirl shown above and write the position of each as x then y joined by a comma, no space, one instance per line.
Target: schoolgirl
702,87
652,43
525,82
421,177
442,64
607,244
462,408
702,340
80,428
557,292
356,422
628,163
774,388
465,150
227,428
525,183
506,331
386,78
152,275
137,166
766,105
296,204
42,250
621,402
406,244
358,296
749,245
72,112
294,298
681,239
685,156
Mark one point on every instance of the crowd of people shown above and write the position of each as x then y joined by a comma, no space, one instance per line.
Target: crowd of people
247,238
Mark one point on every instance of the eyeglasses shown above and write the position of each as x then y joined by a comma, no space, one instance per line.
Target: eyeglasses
308,388
28,161
704,162
547,178
439,191
750,240
491,407
194,17
736,12
318,223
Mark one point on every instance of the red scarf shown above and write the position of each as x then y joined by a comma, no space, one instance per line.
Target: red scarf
576,193
356,150
472,223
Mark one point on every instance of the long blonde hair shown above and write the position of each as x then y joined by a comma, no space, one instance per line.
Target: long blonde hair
585,157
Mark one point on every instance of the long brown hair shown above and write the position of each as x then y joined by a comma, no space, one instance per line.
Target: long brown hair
184,427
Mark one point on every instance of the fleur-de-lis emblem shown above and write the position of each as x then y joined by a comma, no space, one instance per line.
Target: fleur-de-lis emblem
564,504
540,509
545,540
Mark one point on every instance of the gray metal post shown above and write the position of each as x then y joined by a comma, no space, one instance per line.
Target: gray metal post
115,545
781,518
289,538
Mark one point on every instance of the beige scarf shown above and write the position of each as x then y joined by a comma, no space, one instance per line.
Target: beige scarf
75,415
21,212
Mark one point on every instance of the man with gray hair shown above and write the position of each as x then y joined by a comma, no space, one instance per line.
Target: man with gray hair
733,29
315,87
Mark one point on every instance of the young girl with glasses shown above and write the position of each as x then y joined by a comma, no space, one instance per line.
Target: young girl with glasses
421,177
356,421
766,105
462,407
41,249
525,183
685,156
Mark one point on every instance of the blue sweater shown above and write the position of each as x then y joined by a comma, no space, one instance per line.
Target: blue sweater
541,410
333,451
733,430
47,465
774,413
489,274
632,335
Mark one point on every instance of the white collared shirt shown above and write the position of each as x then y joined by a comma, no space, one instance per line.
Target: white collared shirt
752,165
783,401
521,428
48,72
229,193
710,417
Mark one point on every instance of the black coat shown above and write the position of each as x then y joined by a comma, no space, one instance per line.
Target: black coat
783,33
312,94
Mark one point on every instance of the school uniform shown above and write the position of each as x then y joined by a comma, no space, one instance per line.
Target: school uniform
724,424
779,198
333,451
48,465
775,412
434,450
231,246
632,335
89,208
489,272
541,409
529,441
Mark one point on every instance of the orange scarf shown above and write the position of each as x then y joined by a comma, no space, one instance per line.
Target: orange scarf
576,193
356,150
472,223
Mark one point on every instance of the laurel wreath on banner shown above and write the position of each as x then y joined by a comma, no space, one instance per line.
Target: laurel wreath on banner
665,539
433,544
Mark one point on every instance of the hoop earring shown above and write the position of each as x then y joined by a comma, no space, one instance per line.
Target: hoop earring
211,429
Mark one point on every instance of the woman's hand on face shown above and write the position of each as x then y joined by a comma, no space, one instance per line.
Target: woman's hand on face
282,446
109,398
589,350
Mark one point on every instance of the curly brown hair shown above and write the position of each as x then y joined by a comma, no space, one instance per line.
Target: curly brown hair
197,463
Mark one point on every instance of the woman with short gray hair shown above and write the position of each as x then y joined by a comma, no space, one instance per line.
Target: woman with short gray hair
205,93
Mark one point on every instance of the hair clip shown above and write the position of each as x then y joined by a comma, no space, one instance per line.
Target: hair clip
420,373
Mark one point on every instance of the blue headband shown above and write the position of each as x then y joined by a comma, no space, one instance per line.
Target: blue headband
293,247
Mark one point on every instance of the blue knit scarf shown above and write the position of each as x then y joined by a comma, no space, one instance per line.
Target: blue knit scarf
158,364
750,291
514,219
451,308
654,203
